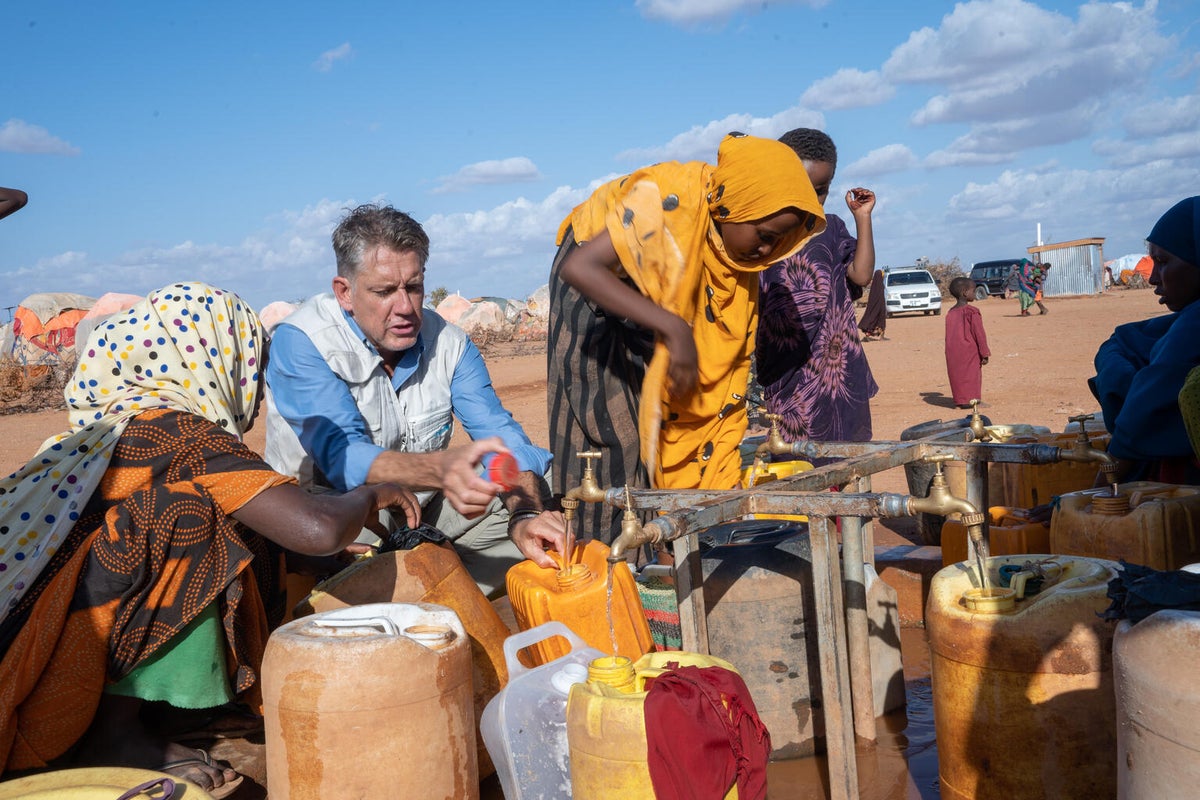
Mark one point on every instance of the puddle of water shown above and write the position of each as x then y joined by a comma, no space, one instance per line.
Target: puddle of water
902,763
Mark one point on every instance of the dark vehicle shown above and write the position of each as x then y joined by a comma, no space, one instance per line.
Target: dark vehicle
992,277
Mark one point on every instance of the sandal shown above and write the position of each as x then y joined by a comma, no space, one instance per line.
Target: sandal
190,766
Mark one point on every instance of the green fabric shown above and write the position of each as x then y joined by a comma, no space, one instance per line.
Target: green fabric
662,612
188,671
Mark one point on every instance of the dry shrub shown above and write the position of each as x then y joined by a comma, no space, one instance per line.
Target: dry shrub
25,388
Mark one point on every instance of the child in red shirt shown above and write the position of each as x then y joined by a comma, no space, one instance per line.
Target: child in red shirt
966,344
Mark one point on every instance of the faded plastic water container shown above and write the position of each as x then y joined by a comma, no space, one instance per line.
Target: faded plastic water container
1023,699
1158,739
370,701
1153,524
578,597
428,573
1010,533
525,725
606,728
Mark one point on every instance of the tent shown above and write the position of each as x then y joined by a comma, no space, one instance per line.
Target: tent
109,303
43,327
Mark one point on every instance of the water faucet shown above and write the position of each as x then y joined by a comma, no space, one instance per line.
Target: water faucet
588,489
633,533
1083,451
941,502
978,429
774,444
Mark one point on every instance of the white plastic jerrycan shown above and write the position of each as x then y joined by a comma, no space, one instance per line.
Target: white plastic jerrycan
525,725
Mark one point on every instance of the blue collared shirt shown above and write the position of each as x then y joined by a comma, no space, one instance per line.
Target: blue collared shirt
320,409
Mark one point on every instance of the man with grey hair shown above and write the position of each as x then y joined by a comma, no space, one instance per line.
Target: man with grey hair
364,385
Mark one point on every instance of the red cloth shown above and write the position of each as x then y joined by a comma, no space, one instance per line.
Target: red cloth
966,345
703,734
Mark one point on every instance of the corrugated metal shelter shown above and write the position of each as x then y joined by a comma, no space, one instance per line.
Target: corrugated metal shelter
1077,267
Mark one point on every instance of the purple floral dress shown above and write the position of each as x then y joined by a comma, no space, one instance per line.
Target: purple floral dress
810,361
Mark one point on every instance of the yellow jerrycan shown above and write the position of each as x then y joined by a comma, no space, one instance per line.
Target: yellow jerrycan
606,725
577,596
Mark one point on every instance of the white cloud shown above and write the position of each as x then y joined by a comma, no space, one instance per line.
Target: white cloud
1166,116
325,62
1001,142
1000,59
701,141
509,170
690,12
848,88
18,136
881,161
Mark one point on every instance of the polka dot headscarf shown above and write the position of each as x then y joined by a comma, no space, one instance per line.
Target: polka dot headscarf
188,346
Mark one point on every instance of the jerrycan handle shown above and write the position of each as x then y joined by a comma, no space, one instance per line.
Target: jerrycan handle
522,639
385,624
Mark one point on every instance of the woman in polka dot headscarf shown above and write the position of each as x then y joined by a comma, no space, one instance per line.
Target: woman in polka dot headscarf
147,540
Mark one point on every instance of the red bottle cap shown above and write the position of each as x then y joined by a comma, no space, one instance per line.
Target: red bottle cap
503,470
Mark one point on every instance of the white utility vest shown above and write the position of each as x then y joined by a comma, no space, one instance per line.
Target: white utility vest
417,418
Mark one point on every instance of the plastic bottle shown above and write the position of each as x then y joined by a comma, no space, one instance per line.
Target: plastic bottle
578,596
525,725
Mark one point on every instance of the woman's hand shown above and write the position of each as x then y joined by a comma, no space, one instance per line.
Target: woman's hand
534,535
683,372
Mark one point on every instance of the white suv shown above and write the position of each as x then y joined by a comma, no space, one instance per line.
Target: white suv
911,289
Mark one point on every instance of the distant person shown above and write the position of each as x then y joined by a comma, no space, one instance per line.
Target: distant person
967,350
1142,367
141,572
874,319
1029,285
11,201
653,307
810,360
1042,271
365,385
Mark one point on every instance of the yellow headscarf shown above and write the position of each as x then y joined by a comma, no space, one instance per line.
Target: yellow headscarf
187,346
663,221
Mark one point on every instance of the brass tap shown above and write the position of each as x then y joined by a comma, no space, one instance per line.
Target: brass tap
978,429
774,445
588,489
941,502
1083,451
633,533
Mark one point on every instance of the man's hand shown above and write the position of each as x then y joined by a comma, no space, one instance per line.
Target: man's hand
532,536
469,493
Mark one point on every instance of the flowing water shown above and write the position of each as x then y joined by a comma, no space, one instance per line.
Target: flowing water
612,630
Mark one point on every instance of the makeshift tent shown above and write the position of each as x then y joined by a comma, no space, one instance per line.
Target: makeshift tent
273,313
109,303
44,327
1141,270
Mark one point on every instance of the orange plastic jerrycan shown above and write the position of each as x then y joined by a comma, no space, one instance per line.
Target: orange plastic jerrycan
577,596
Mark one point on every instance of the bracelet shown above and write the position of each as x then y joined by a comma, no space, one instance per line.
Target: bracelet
520,515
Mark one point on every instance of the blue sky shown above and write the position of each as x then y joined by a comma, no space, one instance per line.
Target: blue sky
221,141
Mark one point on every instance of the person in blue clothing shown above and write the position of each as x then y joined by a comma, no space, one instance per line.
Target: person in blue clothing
1142,367
364,386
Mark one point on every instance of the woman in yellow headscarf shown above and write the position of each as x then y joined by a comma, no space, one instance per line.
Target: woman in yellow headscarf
653,309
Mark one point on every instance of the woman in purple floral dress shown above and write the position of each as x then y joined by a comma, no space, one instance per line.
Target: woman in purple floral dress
810,361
